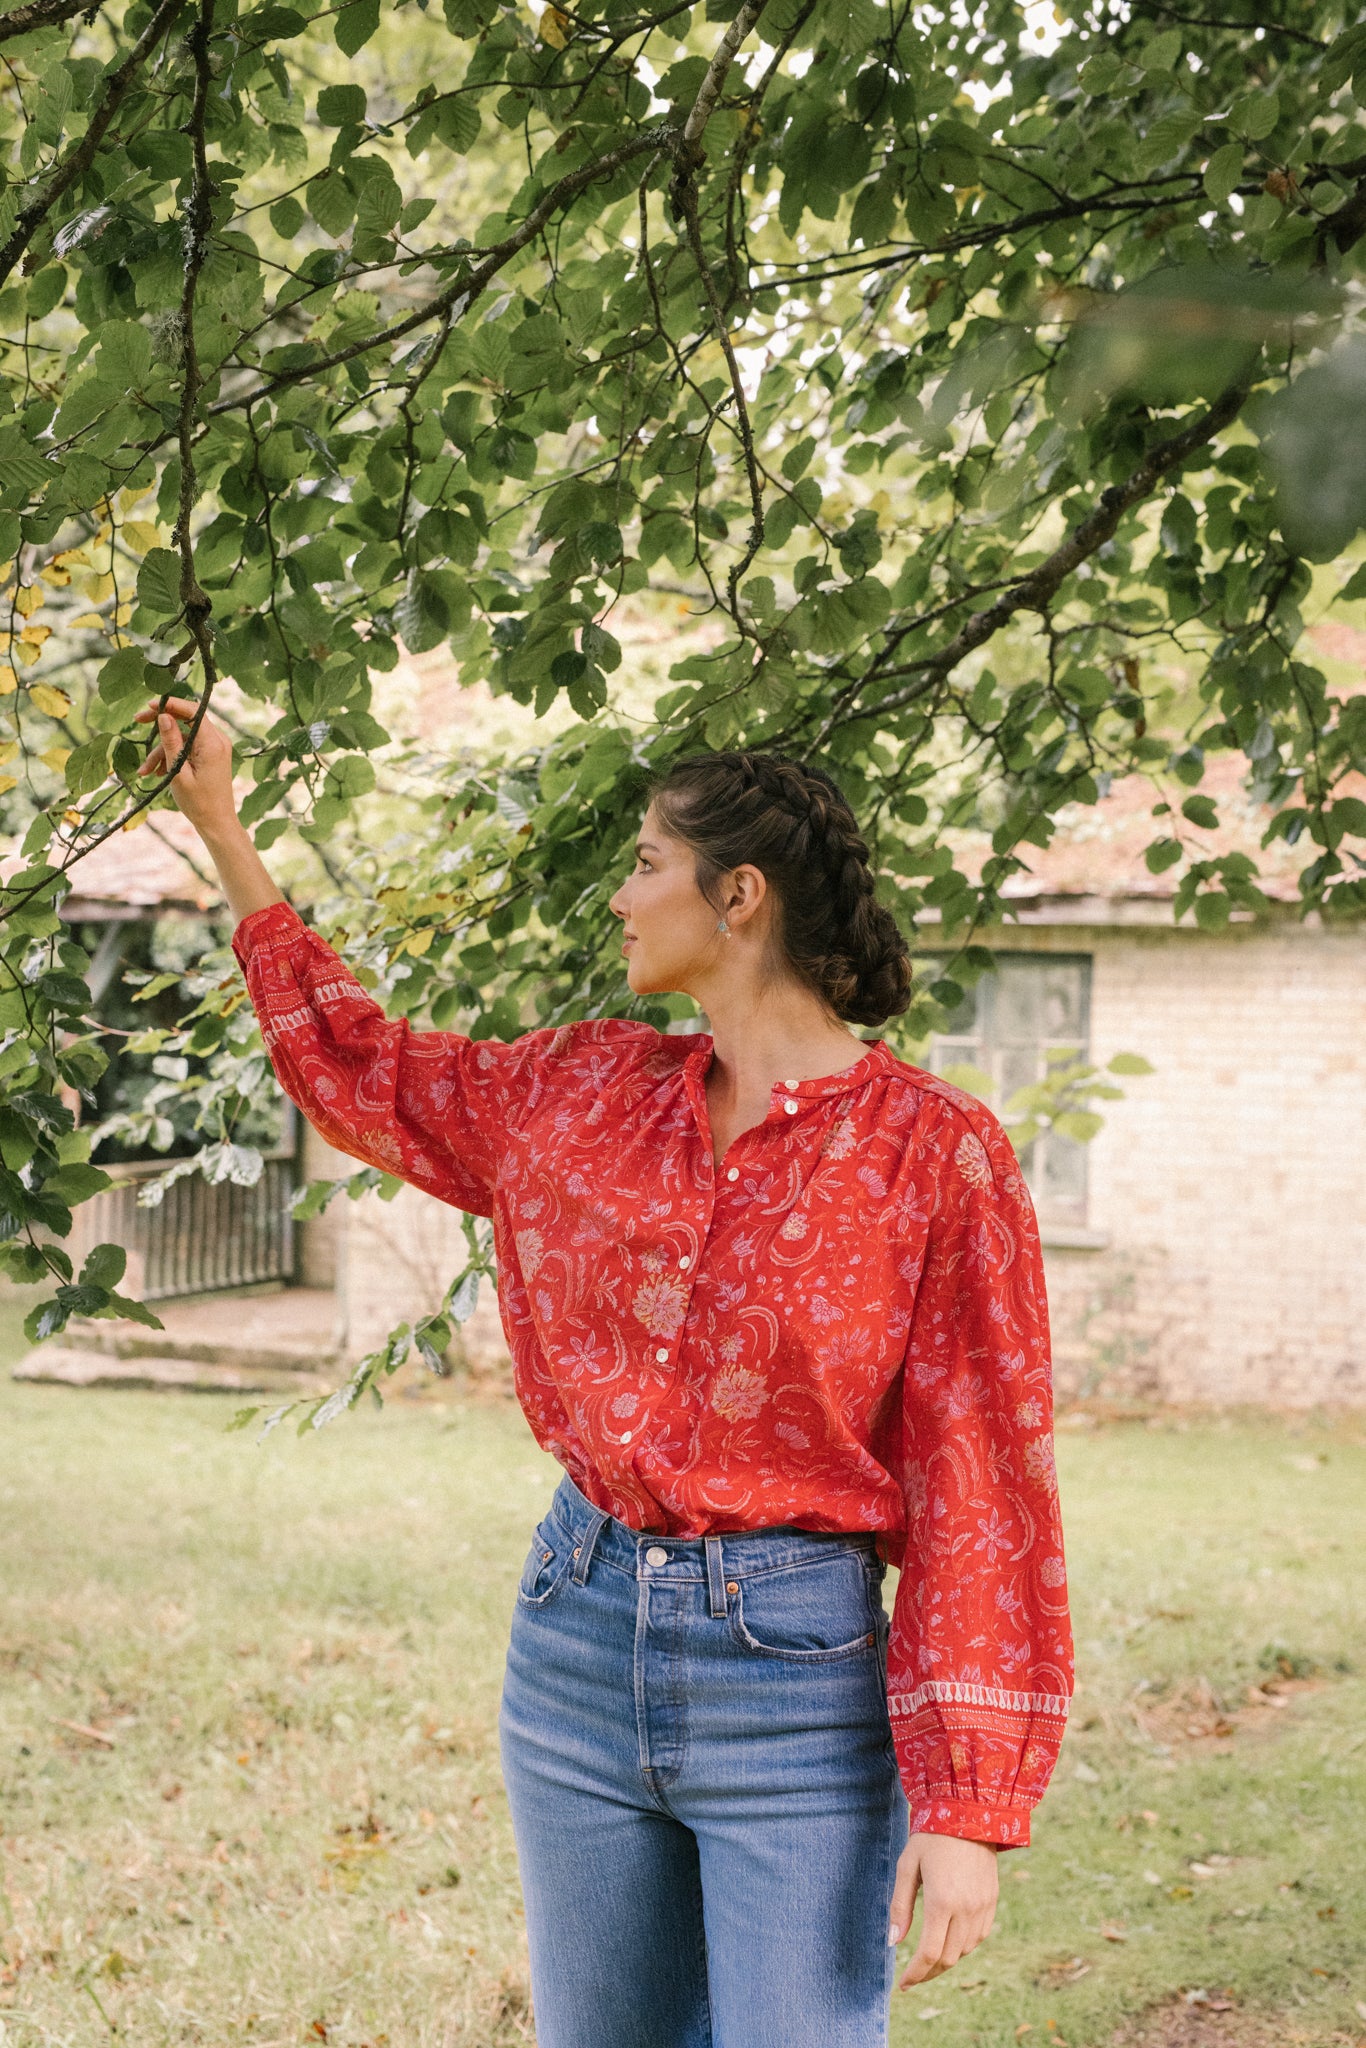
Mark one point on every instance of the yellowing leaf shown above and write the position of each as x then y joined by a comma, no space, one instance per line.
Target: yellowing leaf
141,535
133,496
34,636
125,611
93,585
73,817
56,758
47,698
28,600
56,576
70,558
89,619
418,943
555,28
9,682
138,818
8,782
8,750
24,654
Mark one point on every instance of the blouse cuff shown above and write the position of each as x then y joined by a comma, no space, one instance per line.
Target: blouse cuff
972,1820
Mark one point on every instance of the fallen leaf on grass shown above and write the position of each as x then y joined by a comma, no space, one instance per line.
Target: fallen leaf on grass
1113,1930
1209,2001
1064,1970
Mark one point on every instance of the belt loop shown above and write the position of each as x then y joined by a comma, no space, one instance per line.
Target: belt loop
716,1578
586,1545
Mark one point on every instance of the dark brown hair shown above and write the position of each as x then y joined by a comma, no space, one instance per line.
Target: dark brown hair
792,822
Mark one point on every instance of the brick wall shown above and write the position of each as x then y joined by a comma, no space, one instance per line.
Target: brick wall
1228,1190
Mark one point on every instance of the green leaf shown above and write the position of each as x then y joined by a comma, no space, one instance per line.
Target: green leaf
1255,115
126,351
1162,854
1081,1125
159,583
1129,1063
356,24
105,1266
1223,171
339,105
1200,810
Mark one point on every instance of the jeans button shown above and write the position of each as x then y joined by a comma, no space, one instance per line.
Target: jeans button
654,1555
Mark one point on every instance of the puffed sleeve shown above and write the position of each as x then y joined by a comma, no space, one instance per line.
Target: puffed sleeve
432,1107
980,1656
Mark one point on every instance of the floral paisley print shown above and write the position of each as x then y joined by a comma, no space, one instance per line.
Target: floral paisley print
841,1327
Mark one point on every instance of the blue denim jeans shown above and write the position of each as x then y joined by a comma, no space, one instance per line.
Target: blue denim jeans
703,1788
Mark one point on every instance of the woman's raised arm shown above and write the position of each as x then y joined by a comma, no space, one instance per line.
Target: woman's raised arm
203,791
432,1107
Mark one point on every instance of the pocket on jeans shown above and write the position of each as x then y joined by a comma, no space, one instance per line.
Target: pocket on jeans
545,1567
809,1614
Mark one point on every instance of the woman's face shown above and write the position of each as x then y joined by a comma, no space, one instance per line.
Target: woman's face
669,935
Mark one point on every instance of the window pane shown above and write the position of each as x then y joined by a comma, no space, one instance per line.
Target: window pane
1062,988
1063,1181
1018,1009
1032,1004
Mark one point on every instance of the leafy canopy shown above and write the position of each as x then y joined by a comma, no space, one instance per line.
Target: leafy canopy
960,382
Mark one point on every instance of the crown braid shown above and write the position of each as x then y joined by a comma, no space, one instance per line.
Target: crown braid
793,822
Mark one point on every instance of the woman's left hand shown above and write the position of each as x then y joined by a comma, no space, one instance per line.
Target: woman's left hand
960,1884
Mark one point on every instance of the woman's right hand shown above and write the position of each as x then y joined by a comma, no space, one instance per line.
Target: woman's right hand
203,786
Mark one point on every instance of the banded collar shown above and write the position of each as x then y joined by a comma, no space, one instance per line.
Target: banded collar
877,1058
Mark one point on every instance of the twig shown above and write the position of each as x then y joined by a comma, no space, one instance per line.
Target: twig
90,1734
79,158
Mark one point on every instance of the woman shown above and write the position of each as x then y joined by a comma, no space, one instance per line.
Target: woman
775,1302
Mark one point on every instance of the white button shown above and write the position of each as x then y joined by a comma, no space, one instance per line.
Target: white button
732,1173
627,1435
789,1084
662,1354
654,1555
683,1259
791,1108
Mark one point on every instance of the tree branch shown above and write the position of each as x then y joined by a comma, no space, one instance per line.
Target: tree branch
710,89
79,158
198,227
21,21
1036,591
459,296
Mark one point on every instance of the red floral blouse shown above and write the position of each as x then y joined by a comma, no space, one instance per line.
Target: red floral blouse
843,1326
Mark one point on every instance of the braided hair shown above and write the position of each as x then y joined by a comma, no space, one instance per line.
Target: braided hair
793,823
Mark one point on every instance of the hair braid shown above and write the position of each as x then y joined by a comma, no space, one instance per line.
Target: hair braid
793,822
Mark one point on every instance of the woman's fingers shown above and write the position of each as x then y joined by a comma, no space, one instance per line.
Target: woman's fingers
178,707
903,1895
945,1939
928,1959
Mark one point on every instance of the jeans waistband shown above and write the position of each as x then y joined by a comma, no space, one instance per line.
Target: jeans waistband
732,1555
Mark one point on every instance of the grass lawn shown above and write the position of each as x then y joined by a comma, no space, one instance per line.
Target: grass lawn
249,1787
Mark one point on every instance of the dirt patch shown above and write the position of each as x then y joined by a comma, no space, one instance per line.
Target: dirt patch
1213,2019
